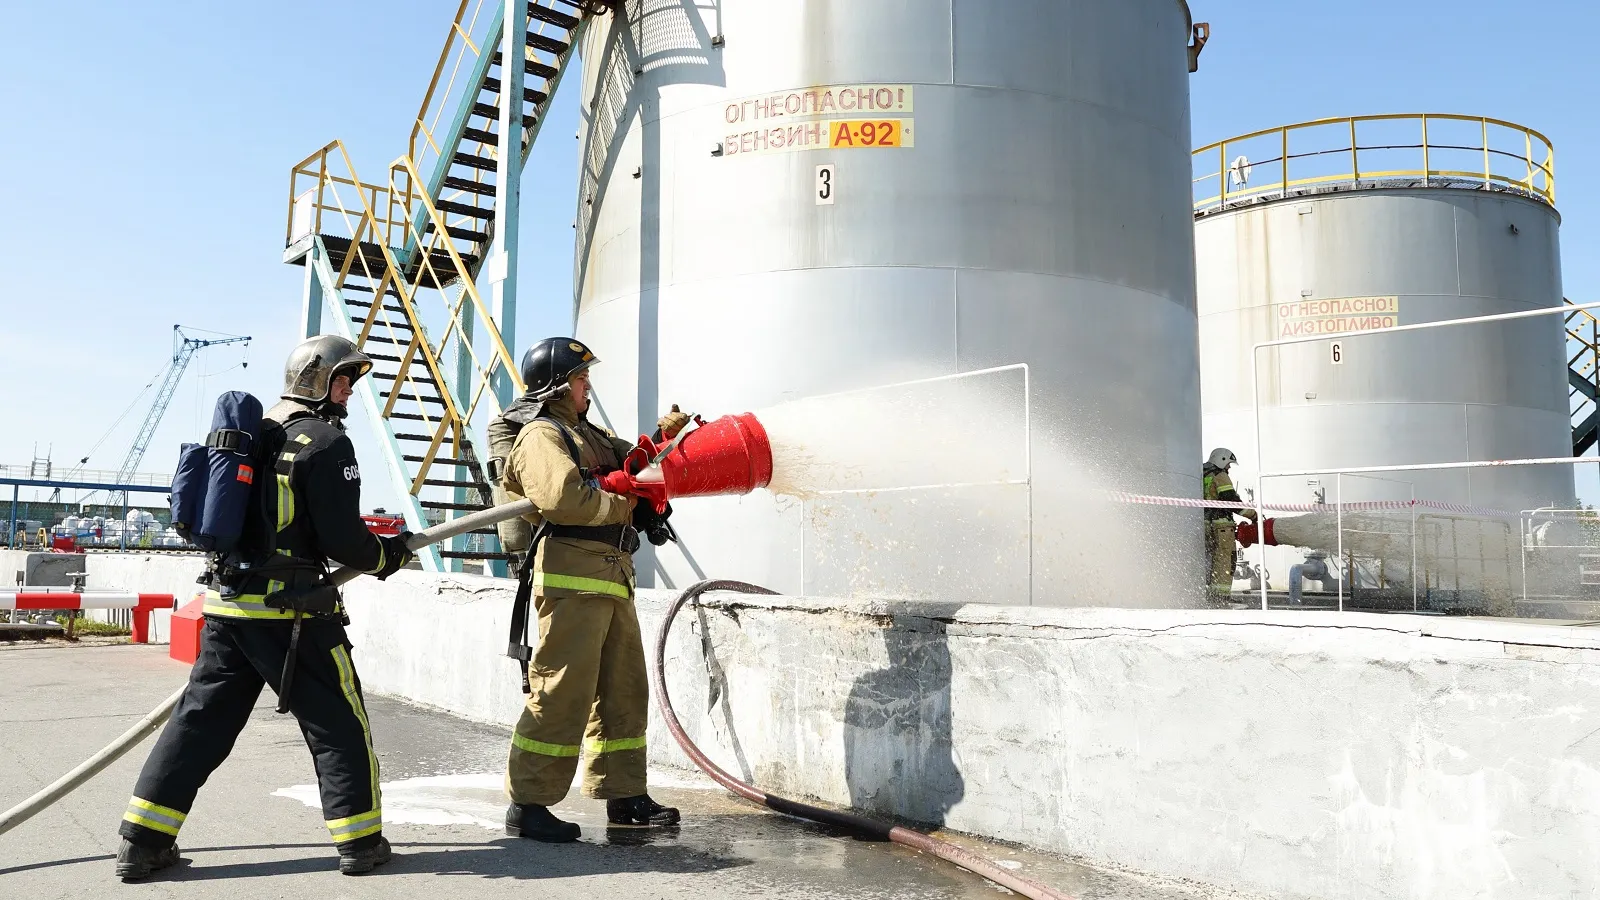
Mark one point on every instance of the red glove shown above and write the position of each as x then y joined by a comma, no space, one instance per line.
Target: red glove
620,482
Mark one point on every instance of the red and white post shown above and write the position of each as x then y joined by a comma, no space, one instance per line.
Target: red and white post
141,604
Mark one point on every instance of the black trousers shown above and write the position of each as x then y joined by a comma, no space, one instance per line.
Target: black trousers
236,659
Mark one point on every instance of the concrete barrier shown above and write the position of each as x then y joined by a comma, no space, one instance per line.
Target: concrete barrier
164,573
1289,754
38,569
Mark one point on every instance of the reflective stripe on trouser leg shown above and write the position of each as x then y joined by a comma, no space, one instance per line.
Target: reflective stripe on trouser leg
154,816
349,828
614,744
562,678
216,704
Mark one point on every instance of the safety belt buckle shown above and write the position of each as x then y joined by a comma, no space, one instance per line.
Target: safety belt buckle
520,651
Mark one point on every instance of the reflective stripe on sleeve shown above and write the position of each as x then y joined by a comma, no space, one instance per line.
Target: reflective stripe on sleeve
543,749
587,585
154,816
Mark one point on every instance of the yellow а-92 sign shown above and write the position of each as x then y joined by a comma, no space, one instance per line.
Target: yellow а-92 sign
804,119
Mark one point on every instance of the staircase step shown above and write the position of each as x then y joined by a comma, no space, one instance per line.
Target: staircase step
532,67
547,43
368,304
367,289
378,338
436,504
470,554
466,184
386,376
463,234
385,324
478,134
428,439
410,417
382,357
492,85
475,162
410,396
483,531
554,17
464,209
443,482
442,460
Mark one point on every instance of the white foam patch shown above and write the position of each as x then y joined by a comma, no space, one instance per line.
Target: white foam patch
466,799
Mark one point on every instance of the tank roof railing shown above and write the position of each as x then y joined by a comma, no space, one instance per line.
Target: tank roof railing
1392,150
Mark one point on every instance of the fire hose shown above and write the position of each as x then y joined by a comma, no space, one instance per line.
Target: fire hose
731,455
860,824
147,726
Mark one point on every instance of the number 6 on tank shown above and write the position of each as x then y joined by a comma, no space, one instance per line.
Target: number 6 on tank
824,185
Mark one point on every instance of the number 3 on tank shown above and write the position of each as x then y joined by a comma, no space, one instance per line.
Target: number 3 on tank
824,187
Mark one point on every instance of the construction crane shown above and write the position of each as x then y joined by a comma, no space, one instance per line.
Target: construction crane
184,349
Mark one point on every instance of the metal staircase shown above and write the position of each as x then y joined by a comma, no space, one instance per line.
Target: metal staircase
396,264
1583,378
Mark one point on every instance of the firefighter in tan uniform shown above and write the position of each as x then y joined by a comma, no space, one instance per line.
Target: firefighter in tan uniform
1221,543
588,687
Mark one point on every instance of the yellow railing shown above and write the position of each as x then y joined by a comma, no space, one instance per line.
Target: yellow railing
472,33
331,201
459,57
1428,148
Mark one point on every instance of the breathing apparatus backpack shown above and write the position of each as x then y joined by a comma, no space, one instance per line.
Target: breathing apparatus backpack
214,491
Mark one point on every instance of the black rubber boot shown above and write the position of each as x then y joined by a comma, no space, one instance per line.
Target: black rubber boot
135,862
360,862
640,812
530,820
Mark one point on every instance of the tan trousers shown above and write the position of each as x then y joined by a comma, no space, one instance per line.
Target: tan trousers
589,684
1221,551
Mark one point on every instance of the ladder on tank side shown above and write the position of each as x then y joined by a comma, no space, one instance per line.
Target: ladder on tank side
1583,378
395,264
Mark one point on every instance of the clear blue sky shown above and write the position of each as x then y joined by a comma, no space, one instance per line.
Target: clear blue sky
148,149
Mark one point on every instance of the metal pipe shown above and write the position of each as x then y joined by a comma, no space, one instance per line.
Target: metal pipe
113,751
916,840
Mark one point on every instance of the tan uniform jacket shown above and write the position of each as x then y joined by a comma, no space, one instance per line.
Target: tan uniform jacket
541,469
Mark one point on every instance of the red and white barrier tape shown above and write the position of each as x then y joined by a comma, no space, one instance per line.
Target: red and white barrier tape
1357,506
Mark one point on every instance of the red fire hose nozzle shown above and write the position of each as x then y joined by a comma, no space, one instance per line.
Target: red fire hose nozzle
1247,534
730,455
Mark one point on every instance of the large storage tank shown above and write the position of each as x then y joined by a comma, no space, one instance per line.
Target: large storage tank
783,199
1359,224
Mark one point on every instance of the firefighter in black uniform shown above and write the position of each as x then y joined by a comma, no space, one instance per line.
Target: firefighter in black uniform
271,618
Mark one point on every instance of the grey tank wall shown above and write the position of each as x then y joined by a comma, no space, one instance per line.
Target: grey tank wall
1041,217
1441,395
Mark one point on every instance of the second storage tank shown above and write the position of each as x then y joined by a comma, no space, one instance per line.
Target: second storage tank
1360,224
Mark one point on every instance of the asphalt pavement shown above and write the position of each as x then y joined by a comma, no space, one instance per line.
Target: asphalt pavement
256,829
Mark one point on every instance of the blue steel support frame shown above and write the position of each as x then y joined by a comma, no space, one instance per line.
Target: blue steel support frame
17,484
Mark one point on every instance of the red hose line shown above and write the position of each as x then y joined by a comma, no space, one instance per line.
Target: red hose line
972,862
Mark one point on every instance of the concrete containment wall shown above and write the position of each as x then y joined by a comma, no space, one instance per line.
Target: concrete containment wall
38,569
1289,754
150,573
1316,755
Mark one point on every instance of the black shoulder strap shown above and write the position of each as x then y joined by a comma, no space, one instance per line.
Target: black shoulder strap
517,642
